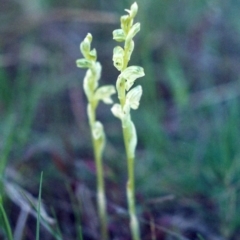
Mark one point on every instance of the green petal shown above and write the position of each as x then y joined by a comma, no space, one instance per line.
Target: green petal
99,136
92,55
118,57
131,74
83,63
97,130
85,45
88,85
130,49
119,35
133,97
104,93
133,31
120,85
133,10
117,110
97,70
126,23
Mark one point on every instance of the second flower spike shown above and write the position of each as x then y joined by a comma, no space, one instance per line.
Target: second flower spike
94,94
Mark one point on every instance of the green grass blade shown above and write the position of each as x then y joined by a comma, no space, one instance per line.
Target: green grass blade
5,220
38,208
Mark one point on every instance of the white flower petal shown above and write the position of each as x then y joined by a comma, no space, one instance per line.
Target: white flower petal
117,110
133,97
131,74
97,130
118,57
104,93
99,137
126,117
119,35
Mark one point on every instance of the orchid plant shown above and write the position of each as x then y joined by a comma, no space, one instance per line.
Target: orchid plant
129,98
94,94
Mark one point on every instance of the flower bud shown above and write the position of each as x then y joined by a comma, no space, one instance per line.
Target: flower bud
133,10
85,45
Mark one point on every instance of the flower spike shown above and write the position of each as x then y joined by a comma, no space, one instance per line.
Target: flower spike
129,99
95,94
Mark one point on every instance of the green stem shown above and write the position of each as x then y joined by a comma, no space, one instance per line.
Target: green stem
101,199
134,225
101,194
130,188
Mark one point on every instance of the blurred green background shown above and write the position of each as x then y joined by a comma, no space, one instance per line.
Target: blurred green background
189,117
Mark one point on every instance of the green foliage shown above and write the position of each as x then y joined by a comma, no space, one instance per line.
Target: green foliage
5,220
188,121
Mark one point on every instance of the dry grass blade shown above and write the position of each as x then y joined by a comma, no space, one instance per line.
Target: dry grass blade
27,202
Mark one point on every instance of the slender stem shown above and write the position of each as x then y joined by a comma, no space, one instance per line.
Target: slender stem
130,188
101,195
5,220
134,225
101,200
